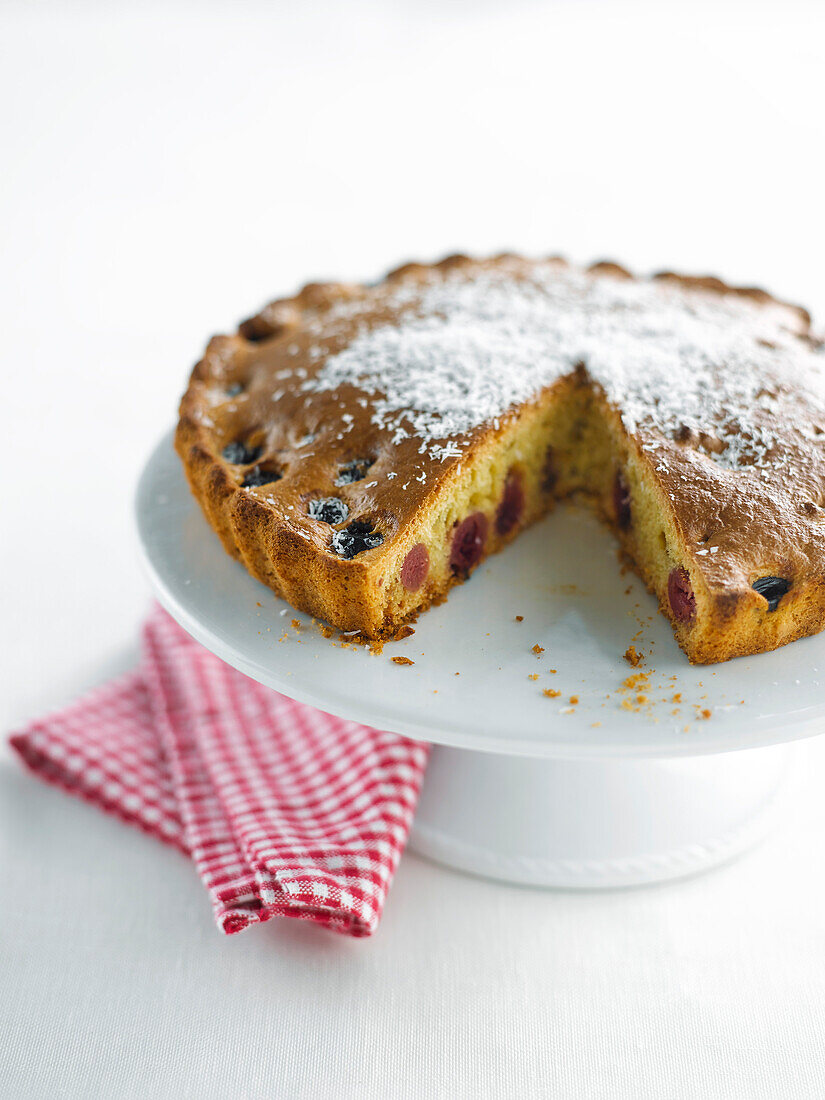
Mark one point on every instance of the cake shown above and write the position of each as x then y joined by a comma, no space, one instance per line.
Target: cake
361,448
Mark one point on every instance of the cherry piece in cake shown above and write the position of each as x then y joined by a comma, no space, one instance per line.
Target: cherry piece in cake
415,568
257,477
681,596
511,508
355,470
239,454
358,536
328,510
772,588
468,543
621,501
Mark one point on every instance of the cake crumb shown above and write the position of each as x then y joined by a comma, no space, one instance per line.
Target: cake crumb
519,618
705,713
641,679
537,649
574,700
294,623
533,676
551,693
402,661
554,671
403,632
633,657
677,698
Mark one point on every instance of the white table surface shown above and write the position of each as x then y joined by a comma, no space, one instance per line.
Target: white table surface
165,169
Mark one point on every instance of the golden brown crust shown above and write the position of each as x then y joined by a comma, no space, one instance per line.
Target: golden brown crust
267,527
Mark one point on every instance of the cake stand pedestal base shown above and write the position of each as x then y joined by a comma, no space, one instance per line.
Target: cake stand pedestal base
594,824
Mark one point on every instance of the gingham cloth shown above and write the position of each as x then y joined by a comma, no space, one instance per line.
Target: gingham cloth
286,811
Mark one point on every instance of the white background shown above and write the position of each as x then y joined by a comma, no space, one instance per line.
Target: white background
167,168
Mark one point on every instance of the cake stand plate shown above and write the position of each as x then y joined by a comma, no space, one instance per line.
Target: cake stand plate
558,763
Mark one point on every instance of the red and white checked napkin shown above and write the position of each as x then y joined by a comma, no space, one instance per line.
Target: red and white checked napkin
285,810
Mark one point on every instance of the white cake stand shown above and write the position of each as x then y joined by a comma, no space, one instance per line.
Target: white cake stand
629,784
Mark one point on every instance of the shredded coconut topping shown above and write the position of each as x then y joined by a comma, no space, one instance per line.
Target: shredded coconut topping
689,363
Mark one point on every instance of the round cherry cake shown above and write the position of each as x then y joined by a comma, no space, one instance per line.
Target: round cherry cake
363,448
